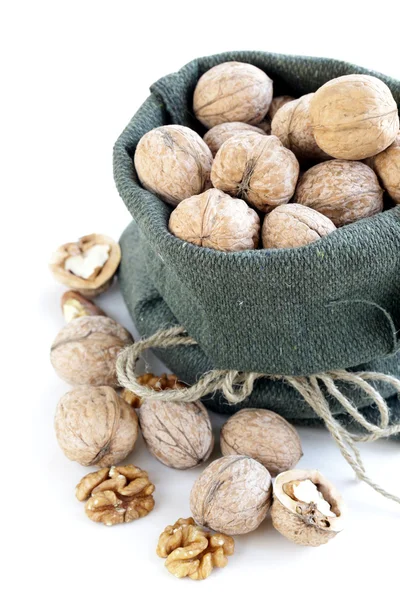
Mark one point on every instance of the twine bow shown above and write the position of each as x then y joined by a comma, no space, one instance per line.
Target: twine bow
236,386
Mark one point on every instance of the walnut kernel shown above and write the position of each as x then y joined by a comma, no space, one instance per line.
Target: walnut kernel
215,137
166,381
74,305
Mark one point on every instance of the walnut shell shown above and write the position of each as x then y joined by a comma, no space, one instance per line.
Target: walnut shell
386,165
86,349
292,125
101,277
215,220
264,436
354,117
94,426
277,103
232,495
294,225
344,191
215,137
300,522
178,152
258,169
232,91
178,434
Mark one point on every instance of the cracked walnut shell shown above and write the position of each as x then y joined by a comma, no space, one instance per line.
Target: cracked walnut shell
258,169
232,91
94,426
354,117
191,551
178,434
166,381
74,305
294,225
386,165
342,190
310,518
86,349
232,495
173,162
215,137
215,220
263,435
117,495
87,266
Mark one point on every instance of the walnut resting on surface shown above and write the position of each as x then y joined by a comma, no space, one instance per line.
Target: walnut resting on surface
386,165
342,190
307,509
178,434
215,220
86,349
232,495
354,117
215,137
94,426
191,551
232,91
74,305
117,495
263,435
173,162
166,381
87,266
294,225
258,169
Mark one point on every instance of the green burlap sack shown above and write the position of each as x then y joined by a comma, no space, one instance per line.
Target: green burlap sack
333,304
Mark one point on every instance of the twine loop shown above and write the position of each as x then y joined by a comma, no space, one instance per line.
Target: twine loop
236,386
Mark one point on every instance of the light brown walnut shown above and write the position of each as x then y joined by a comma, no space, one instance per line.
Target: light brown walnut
232,91
74,305
344,191
166,381
215,220
294,225
232,495
178,434
258,169
86,349
354,117
173,162
386,165
193,552
117,495
94,426
292,125
277,103
215,137
264,436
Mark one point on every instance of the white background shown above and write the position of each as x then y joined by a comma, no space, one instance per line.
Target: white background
73,73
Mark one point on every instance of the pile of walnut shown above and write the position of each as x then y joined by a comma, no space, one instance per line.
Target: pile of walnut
344,137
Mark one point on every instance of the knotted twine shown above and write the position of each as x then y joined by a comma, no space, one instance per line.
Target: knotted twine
236,386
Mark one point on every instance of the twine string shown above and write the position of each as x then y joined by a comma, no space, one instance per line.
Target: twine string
236,386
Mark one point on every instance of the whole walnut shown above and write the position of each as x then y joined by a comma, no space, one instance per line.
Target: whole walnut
344,191
179,434
354,117
292,125
264,436
294,225
173,162
258,169
277,103
215,220
386,165
215,137
86,349
94,426
232,495
232,91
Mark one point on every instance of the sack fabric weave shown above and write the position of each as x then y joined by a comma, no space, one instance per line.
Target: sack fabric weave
330,305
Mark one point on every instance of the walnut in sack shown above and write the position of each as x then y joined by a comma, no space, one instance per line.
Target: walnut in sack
386,165
215,137
277,103
258,169
173,162
166,381
215,220
342,190
191,551
94,426
117,495
232,91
